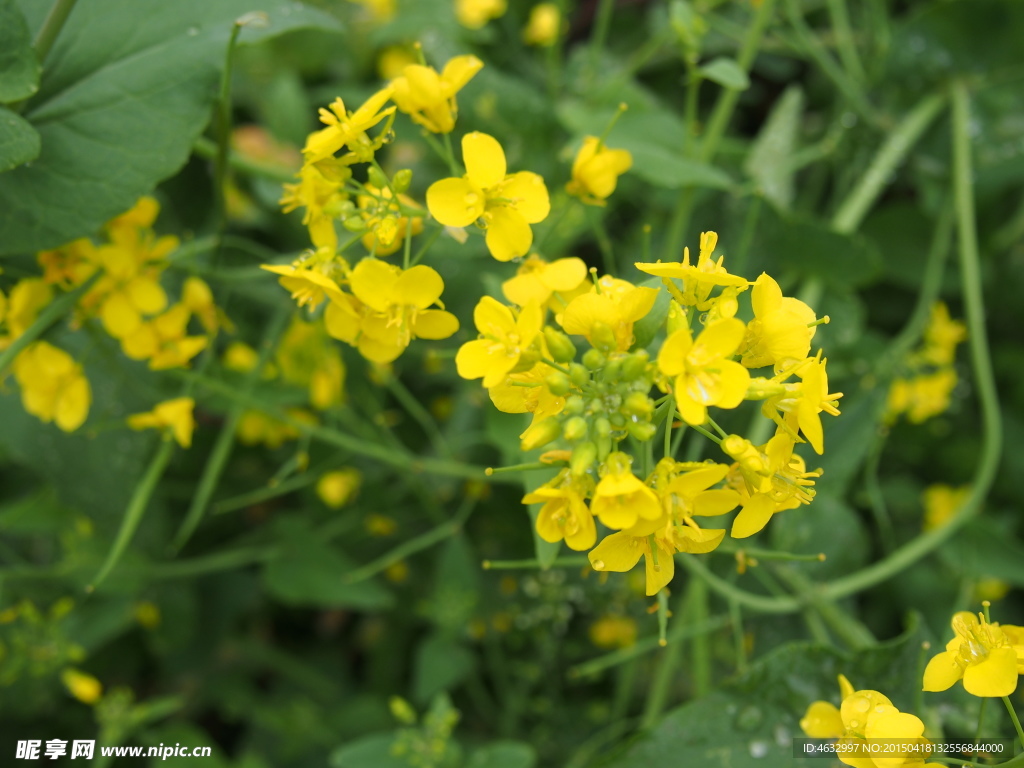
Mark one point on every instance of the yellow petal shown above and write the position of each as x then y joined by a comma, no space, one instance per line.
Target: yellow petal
341,322
637,303
942,671
753,517
717,502
994,676
584,311
766,295
529,196
693,482
147,295
508,234
699,541
119,316
733,381
617,552
822,721
72,405
660,574
493,318
373,283
564,274
478,358
455,202
419,286
485,160
717,340
460,70
672,355
435,324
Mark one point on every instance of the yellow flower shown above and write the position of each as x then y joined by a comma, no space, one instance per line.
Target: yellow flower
349,129
922,397
255,428
313,278
543,26
69,265
537,280
613,632
321,192
378,10
803,403
703,375
164,340
698,280
53,387
781,330
380,525
198,299
564,514
986,656
505,342
942,336
147,614
336,489
428,97
474,14
393,310
387,225
505,204
621,498
940,503
308,358
174,415
866,715
392,61
596,171
27,299
605,315
84,687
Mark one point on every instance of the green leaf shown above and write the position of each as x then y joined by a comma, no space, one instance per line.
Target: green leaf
768,162
751,722
368,752
727,73
456,585
665,168
118,112
442,662
310,572
503,754
19,67
827,525
19,142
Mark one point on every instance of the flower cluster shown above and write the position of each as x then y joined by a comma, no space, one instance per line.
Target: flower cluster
589,408
931,372
986,656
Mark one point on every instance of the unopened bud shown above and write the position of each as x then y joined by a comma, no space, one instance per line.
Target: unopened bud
579,375
593,359
376,178
541,434
574,405
634,366
602,337
583,457
559,345
575,429
638,404
400,183
558,384
641,430
354,224
602,427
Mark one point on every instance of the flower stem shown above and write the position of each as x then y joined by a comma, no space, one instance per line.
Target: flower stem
220,167
52,26
532,564
1013,716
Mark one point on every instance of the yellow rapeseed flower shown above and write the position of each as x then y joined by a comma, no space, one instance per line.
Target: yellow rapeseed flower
504,204
474,14
173,415
337,488
565,514
53,387
782,328
701,371
986,656
428,97
346,128
538,280
621,498
544,25
596,171
26,301
699,279
612,631
505,342
84,687
164,340
940,503
605,315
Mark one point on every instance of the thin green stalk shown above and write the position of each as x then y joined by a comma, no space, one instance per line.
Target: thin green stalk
813,47
700,647
625,679
760,603
665,675
248,499
889,157
420,414
220,167
50,314
992,428
453,166
509,565
852,631
668,426
873,488
221,561
981,720
738,639
417,544
431,238
136,508
221,452
602,23
1016,720
680,631
845,43
52,26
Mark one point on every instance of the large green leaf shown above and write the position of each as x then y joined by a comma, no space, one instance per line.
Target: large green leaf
19,67
126,96
19,142
442,662
752,721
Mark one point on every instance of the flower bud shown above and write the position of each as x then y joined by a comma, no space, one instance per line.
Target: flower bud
635,365
574,405
558,384
400,183
593,359
612,370
677,318
579,375
354,224
376,178
559,345
541,434
575,429
583,457
602,337
638,404
602,427
641,430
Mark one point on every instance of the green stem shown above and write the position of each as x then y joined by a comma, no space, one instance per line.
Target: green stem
136,508
665,674
418,544
509,565
889,157
845,44
981,720
760,603
52,26
873,488
220,168
602,23
450,155
243,500
1016,720
992,428
50,314
739,641
421,415
431,238
700,648
852,631
225,441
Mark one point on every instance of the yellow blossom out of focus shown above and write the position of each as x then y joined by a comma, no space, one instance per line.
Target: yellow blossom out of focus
337,488
174,415
474,14
544,25
84,687
612,631
940,503
53,387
